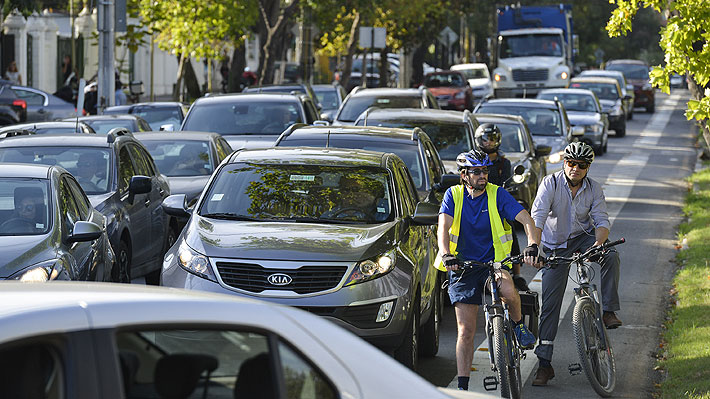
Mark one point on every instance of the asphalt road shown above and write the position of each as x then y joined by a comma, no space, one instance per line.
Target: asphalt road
643,177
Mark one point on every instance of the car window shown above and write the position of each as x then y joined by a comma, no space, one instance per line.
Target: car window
630,71
475,73
605,91
24,206
449,138
573,102
406,197
311,112
231,363
141,166
511,138
157,117
181,157
82,202
31,97
125,169
68,210
355,106
243,117
541,121
32,370
433,162
328,98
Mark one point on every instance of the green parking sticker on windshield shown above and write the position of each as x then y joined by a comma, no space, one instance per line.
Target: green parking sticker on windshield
303,178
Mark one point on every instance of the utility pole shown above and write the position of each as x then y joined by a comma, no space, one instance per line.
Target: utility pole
106,78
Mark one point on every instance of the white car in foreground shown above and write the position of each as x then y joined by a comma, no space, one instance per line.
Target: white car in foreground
77,340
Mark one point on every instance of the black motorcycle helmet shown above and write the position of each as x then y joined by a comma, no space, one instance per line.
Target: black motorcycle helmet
487,138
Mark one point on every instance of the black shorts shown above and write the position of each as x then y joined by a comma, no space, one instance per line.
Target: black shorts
468,286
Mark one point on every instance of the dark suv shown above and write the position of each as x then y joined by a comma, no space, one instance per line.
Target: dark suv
121,181
249,120
340,233
360,100
636,73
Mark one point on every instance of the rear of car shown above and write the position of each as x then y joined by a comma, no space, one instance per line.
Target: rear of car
478,78
358,101
159,115
583,110
636,73
12,108
451,89
609,94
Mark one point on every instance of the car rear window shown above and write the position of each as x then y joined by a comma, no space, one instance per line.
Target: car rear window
243,117
450,139
355,106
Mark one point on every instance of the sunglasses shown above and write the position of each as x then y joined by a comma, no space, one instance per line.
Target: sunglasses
581,165
477,172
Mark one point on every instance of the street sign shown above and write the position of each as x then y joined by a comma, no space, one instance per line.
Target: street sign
447,36
373,37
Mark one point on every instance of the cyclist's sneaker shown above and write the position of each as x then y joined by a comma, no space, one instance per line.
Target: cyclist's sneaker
526,339
610,320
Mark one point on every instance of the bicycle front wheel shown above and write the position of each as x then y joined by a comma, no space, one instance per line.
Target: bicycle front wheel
501,355
594,349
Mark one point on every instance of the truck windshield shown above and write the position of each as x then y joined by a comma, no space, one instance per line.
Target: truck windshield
531,45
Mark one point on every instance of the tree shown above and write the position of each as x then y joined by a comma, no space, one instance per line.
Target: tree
273,20
684,40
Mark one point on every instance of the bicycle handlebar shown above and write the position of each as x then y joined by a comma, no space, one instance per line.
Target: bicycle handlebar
470,264
584,255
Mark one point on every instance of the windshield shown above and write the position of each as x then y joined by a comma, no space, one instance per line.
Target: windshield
357,105
475,73
243,117
181,157
308,193
531,45
573,102
630,71
408,152
24,206
91,166
444,80
328,98
541,121
450,139
604,91
157,117
511,138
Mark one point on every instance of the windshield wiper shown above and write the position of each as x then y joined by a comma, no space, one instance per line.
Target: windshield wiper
229,216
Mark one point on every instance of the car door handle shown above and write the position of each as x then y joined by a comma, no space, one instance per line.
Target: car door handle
161,191
147,202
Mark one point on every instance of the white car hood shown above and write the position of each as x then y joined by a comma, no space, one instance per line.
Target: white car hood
480,82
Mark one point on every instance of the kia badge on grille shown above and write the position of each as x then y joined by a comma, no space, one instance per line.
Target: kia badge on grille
279,279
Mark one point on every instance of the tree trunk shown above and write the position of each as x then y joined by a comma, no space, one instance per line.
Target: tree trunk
698,92
384,68
273,20
352,46
178,83
190,80
418,66
236,69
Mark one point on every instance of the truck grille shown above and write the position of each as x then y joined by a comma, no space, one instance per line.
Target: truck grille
527,75
305,280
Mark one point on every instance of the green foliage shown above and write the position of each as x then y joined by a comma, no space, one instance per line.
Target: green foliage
684,40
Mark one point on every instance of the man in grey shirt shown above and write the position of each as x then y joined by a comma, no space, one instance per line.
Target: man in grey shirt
570,215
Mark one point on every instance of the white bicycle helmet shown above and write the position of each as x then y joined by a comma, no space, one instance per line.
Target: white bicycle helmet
579,151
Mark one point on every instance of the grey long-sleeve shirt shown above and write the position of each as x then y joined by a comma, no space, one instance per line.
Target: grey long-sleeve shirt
561,217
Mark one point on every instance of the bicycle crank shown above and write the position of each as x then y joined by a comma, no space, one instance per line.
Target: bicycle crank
574,369
490,383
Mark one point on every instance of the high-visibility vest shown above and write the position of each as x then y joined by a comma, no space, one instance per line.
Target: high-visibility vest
501,231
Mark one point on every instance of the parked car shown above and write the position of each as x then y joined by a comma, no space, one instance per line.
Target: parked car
93,340
122,182
451,132
360,100
528,160
610,97
48,228
340,233
451,89
330,98
13,110
249,120
636,73
478,78
102,124
54,127
288,88
627,89
42,106
159,115
546,119
187,159
583,109
678,81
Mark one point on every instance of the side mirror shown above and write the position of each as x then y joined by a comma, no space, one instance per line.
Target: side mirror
174,205
520,173
447,181
628,97
542,150
426,213
85,231
140,185
326,117
321,122
167,127
577,131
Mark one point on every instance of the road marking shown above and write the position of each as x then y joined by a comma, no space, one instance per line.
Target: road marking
617,189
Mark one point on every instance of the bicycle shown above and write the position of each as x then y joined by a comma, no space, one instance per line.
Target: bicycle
593,345
504,352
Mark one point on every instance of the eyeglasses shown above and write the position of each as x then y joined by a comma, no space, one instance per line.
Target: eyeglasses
477,172
581,165
26,208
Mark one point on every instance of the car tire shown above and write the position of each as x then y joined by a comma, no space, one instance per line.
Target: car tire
621,132
123,258
651,108
408,351
598,150
429,343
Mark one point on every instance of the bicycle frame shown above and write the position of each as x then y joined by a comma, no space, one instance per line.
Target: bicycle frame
586,289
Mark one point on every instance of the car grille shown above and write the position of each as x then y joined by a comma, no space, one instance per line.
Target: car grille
527,75
305,280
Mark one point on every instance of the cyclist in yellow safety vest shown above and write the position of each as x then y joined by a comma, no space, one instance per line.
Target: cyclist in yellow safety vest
471,227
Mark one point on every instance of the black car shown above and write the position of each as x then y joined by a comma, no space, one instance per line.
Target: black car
55,127
187,159
527,160
159,115
413,146
359,100
48,228
340,233
291,88
122,182
103,124
249,120
12,109
450,131
330,98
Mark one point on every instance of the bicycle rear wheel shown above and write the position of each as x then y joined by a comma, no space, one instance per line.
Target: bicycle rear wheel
598,363
501,355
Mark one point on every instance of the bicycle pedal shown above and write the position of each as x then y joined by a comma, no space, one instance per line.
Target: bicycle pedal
490,383
574,369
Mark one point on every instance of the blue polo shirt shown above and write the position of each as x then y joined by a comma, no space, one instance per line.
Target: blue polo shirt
475,236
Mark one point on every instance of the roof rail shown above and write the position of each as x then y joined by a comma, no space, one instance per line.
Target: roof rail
291,128
466,115
356,89
364,115
117,132
416,132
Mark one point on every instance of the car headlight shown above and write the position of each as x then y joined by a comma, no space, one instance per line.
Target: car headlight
194,262
499,78
47,270
593,128
562,75
460,95
372,268
556,157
